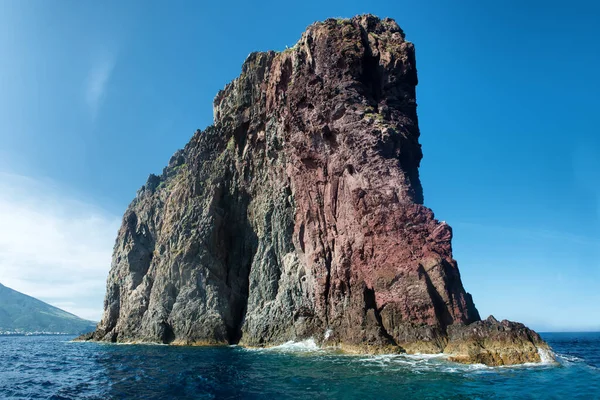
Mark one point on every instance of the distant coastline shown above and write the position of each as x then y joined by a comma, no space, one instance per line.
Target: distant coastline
13,333
23,315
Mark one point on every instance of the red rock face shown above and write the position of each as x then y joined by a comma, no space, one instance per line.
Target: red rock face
383,268
300,214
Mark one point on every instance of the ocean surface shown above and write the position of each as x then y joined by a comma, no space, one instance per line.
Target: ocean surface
52,367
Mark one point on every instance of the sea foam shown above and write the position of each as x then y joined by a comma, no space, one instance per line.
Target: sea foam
546,356
307,345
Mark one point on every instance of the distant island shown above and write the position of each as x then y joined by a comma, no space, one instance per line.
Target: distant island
24,315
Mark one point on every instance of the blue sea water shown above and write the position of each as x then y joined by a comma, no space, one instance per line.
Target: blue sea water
52,367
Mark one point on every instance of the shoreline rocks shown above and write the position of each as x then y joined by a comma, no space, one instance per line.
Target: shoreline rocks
487,342
492,342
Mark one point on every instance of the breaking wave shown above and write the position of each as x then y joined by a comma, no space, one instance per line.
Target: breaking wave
547,356
304,346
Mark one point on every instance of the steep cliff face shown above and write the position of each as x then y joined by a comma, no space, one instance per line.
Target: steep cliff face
298,214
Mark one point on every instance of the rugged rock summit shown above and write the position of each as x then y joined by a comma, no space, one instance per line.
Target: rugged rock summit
299,214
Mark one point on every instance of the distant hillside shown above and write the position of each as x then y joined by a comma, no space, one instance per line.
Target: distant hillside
20,313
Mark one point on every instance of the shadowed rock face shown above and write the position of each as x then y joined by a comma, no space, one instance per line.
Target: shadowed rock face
298,214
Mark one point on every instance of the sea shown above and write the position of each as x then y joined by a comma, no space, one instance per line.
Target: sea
54,367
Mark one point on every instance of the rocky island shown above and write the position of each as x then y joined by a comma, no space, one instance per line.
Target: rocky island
299,214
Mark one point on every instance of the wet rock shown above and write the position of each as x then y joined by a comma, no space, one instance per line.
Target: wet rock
495,343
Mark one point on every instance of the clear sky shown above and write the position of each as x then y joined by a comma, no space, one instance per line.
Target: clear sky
94,96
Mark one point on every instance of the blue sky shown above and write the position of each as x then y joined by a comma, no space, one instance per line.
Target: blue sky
95,96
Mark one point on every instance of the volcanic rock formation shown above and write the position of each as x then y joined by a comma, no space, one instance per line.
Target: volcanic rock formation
299,214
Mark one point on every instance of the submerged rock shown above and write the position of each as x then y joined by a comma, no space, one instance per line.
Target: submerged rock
299,214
